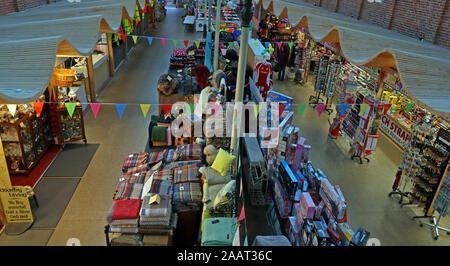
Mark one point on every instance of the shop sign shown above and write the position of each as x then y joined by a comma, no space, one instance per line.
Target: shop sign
395,131
16,205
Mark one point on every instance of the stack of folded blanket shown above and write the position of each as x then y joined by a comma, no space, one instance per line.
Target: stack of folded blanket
127,190
156,157
133,160
188,152
155,218
123,217
186,173
173,165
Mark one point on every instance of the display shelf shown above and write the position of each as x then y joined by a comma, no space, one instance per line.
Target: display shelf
71,128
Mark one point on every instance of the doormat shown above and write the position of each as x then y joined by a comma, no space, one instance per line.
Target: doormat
32,178
53,195
72,161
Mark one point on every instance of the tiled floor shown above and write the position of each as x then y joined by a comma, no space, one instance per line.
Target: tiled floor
365,187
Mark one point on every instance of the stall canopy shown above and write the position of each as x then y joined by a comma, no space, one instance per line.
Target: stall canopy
424,68
31,39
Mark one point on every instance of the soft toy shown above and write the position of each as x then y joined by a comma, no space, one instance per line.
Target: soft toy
210,151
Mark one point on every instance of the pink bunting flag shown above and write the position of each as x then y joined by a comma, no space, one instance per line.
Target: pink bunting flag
242,214
163,40
95,107
279,45
320,108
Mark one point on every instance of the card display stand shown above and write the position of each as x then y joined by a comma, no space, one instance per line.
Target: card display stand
258,171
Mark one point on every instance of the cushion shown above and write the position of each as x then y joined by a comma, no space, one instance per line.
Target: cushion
223,161
213,177
224,196
219,231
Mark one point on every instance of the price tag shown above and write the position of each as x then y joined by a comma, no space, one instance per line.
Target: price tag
155,199
169,78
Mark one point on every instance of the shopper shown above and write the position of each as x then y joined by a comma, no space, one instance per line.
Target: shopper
282,59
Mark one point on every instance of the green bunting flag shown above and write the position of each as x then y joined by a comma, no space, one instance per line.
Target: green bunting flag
70,108
290,44
251,26
197,43
300,109
144,109
409,106
175,43
230,45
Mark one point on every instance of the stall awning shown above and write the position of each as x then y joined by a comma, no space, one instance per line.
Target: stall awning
424,68
30,40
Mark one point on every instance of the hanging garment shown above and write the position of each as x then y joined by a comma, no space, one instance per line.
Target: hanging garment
262,73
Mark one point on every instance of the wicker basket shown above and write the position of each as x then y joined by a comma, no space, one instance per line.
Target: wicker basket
64,77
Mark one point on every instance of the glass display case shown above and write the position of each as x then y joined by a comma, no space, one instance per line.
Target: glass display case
25,140
71,128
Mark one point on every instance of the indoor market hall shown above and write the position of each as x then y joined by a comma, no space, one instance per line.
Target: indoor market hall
76,207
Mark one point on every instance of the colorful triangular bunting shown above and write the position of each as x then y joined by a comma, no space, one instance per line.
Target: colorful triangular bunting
175,42
38,107
163,40
342,109
290,44
167,108
320,108
197,43
300,109
70,108
186,43
12,109
363,108
95,107
150,39
279,45
134,38
144,109
120,107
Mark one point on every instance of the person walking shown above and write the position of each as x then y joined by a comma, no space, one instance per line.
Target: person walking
282,59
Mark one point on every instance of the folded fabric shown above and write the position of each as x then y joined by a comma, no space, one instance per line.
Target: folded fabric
126,190
155,157
139,177
219,231
163,174
161,187
169,137
131,230
214,178
187,192
126,209
118,239
159,134
170,156
186,173
188,152
137,169
134,159
163,209
210,193
173,165
124,223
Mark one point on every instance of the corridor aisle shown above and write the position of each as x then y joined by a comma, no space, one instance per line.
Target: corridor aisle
134,83
365,186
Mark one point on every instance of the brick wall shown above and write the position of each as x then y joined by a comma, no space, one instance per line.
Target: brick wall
9,6
426,19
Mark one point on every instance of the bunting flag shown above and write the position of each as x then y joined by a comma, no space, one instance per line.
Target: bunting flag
70,108
12,108
271,50
163,40
409,106
224,51
150,39
144,109
342,109
197,43
230,45
290,44
120,107
134,39
167,108
242,214
237,33
255,44
257,108
363,108
95,107
300,109
123,37
279,45
320,108
38,107
175,42
186,43
386,108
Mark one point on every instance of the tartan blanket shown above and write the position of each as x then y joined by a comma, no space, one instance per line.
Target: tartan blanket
134,159
162,187
126,190
126,209
161,210
130,230
164,174
140,177
188,152
181,163
186,173
170,156
137,169
155,157
187,192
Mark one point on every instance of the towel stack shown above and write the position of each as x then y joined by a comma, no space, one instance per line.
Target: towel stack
156,218
123,217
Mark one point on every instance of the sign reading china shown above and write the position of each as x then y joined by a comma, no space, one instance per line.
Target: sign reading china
395,131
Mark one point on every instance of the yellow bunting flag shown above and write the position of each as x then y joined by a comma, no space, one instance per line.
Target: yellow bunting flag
134,39
362,109
197,43
257,108
144,109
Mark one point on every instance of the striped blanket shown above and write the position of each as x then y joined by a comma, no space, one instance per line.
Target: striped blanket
162,187
164,174
134,159
188,152
181,163
155,157
170,156
140,177
137,169
188,192
126,190
186,173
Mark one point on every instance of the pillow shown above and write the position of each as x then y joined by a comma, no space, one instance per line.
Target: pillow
223,161
213,177
224,196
